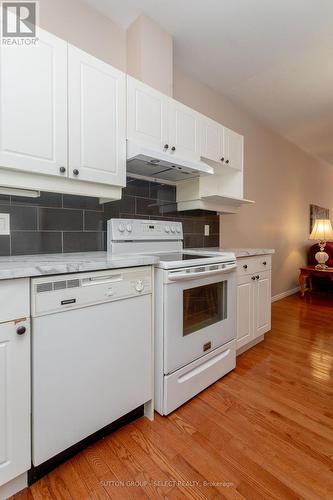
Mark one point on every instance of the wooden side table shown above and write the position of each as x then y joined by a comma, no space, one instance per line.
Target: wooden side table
306,274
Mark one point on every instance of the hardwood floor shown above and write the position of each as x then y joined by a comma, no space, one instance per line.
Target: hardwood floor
263,431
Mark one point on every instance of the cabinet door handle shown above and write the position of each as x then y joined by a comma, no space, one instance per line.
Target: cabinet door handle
227,161
166,146
21,330
173,148
264,263
257,277
253,278
222,159
245,266
76,171
62,170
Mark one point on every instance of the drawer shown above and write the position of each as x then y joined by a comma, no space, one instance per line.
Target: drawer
185,383
256,264
14,299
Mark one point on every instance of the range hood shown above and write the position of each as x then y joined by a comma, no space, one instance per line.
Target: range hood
146,162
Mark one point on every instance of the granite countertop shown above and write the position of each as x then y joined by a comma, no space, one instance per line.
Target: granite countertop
239,252
248,252
38,265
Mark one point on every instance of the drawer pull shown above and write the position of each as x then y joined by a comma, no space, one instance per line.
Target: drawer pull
264,263
257,277
21,330
199,369
245,266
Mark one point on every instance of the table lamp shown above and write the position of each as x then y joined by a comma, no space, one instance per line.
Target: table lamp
322,231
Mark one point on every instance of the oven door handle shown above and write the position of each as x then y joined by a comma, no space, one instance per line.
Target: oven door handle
193,276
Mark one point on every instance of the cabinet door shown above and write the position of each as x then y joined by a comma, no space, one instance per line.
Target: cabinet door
97,116
14,401
211,140
245,297
262,304
147,122
33,104
233,149
184,131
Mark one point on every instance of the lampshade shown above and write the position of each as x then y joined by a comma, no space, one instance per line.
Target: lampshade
322,230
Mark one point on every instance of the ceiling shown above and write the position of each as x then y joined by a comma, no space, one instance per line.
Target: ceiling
274,57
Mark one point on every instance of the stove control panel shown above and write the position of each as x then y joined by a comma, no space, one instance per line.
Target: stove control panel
137,229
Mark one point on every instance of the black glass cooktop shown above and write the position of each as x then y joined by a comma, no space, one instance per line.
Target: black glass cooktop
175,256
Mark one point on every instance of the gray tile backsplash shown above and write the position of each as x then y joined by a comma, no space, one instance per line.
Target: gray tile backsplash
56,223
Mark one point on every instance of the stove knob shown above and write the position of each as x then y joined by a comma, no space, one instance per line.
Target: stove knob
139,286
129,228
173,229
178,229
167,229
121,227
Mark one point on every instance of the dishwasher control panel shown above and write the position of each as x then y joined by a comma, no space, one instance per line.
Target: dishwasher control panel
71,291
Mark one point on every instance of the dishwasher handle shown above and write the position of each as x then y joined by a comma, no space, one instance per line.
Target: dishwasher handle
101,280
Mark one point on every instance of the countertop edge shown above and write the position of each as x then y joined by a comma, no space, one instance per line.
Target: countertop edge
38,270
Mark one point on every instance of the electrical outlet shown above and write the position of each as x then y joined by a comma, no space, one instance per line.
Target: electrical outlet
4,224
206,230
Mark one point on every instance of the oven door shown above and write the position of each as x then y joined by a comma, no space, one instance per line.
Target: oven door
199,312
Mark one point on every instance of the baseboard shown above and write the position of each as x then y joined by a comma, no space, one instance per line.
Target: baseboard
14,486
245,347
282,295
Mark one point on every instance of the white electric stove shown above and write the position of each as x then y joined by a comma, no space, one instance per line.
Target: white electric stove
195,308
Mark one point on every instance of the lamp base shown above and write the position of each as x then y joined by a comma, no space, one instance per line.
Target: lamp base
321,258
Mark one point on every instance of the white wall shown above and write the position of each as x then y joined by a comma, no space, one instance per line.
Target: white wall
150,54
85,28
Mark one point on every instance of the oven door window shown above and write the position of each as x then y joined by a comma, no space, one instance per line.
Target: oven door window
204,306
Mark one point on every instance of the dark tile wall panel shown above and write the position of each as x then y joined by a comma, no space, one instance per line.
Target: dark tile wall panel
83,242
56,223
4,245
60,219
28,242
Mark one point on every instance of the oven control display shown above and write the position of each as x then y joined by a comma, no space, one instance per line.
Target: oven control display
151,228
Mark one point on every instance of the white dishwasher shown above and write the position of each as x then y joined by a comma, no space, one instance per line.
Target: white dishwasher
91,354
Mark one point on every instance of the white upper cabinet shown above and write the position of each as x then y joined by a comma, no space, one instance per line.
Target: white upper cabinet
97,114
221,145
63,114
33,100
147,121
161,123
232,149
212,140
184,131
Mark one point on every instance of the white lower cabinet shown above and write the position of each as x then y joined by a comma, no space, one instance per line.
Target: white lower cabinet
15,441
262,304
253,299
245,296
